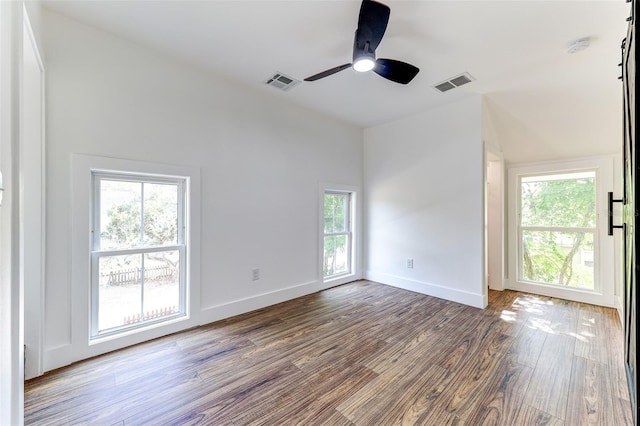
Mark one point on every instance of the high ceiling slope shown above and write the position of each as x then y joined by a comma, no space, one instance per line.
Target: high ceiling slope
541,99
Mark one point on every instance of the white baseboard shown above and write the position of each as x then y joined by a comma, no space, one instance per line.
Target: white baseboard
57,357
459,296
620,308
226,310
63,355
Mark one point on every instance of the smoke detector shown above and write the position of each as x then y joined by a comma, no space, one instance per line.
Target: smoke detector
578,45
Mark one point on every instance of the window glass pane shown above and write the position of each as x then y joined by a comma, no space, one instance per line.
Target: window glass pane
119,290
129,294
336,255
160,214
161,284
563,258
562,200
336,213
120,214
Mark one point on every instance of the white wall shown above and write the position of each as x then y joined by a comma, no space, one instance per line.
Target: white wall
424,200
489,134
260,159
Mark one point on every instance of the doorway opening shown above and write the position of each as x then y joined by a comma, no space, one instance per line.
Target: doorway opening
494,221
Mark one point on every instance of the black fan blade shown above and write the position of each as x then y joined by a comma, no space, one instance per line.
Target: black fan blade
397,71
327,73
372,23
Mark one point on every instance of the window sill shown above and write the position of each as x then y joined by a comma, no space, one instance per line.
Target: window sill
340,279
138,330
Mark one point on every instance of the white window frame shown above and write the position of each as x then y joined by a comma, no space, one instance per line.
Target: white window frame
603,292
348,232
81,345
354,233
97,252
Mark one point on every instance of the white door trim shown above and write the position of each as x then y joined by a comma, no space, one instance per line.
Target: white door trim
32,198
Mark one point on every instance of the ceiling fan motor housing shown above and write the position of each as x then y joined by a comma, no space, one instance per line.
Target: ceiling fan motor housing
362,49
364,57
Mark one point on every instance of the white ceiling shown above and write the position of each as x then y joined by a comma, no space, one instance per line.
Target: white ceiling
516,50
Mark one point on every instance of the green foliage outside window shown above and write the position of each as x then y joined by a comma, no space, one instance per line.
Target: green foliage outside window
127,222
562,256
336,221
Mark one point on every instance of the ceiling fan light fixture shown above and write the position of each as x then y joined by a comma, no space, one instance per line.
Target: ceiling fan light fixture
363,64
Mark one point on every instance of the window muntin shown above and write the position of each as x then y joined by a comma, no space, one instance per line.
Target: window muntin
557,230
138,267
338,235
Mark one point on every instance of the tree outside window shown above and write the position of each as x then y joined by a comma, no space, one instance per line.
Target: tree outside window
337,234
558,224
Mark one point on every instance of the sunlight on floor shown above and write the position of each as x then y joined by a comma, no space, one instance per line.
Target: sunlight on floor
508,316
541,324
578,337
534,309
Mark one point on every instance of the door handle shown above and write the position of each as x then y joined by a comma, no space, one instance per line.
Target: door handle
611,201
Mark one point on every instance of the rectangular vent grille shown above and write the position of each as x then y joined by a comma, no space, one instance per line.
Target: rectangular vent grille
454,82
282,81
443,87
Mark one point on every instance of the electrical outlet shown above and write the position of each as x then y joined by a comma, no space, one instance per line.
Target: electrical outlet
410,263
255,274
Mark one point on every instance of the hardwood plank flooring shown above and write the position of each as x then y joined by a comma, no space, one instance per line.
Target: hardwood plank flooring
359,354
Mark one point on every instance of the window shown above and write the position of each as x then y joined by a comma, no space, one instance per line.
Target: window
338,234
138,252
557,229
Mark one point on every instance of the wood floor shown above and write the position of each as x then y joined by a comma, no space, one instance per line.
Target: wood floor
363,354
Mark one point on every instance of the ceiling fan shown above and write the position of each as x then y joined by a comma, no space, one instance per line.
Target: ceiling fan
372,24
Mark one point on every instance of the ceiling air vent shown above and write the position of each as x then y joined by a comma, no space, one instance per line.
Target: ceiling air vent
443,87
282,82
454,82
